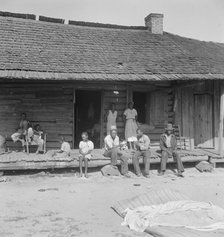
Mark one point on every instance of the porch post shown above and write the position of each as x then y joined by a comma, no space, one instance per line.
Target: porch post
221,120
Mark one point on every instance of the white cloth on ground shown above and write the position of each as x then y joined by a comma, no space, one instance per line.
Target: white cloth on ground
199,216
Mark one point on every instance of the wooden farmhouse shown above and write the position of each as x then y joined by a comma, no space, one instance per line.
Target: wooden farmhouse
65,77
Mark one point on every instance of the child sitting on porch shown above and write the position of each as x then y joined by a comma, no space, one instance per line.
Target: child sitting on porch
85,149
64,151
34,137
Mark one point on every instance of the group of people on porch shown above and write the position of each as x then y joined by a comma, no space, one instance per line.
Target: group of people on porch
135,145
26,133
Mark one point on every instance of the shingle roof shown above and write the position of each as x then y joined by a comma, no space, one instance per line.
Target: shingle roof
36,49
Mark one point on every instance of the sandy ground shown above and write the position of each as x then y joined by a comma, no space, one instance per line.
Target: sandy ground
78,207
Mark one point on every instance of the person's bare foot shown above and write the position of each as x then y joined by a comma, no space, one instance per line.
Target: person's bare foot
127,175
180,174
86,176
80,175
161,173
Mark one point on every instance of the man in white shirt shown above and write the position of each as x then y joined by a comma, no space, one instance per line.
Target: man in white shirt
112,150
143,146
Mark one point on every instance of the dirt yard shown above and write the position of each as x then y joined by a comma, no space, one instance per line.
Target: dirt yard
63,205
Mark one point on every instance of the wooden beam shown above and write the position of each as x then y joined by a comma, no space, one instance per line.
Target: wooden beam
102,118
189,84
73,118
221,119
129,94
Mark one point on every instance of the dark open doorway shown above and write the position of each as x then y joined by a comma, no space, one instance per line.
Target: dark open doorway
140,100
87,116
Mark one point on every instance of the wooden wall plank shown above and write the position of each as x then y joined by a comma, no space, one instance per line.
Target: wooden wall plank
216,109
49,105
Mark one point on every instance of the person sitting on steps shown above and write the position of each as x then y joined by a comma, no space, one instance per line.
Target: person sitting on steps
112,150
168,145
85,148
143,146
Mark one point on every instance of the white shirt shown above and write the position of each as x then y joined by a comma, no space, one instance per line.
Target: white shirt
110,142
86,146
144,142
66,147
168,140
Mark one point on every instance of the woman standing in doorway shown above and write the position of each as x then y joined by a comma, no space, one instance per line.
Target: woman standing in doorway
130,118
111,117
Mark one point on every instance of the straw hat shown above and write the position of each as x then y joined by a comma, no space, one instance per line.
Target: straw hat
169,127
112,128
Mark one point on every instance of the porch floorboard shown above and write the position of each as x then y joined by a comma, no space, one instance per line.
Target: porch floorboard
23,161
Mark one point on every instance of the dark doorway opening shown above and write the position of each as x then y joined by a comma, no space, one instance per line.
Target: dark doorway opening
139,99
87,116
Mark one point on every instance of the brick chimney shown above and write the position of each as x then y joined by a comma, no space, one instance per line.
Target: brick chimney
154,22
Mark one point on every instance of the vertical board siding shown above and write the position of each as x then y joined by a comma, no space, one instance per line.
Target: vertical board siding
187,111
49,105
203,128
161,108
216,112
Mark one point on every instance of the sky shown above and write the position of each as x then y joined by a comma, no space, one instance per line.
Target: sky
198,19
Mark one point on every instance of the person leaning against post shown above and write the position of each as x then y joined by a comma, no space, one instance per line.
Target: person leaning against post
143,150
168,145
112,150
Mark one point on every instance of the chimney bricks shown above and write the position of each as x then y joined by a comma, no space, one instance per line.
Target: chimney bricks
154,22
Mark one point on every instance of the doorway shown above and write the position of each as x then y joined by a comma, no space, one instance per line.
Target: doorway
87,116
140,101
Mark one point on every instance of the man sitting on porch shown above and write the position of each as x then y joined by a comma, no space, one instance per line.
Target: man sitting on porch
168,145
112,150
21,130
143,146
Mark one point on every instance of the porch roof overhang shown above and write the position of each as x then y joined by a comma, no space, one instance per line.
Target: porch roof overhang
57,76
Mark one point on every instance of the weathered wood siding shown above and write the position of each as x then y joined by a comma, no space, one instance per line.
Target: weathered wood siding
50,105
160,112
197,112
160,108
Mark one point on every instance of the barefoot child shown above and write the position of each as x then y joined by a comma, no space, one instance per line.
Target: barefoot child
65,150
85,149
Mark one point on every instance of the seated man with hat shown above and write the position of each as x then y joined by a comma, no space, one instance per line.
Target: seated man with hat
168,145
112,150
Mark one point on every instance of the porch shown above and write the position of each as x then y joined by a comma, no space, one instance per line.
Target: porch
23,161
